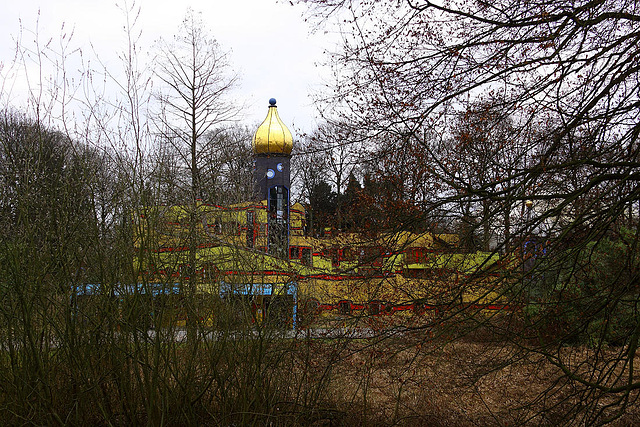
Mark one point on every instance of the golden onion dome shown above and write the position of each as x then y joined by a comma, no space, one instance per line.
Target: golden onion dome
272,136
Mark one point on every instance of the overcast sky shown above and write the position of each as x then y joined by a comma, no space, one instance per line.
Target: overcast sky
269,42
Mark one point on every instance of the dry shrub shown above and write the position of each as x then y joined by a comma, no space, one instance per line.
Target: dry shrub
410,381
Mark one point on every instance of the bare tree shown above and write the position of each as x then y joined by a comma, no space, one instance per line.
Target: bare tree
566,77
197,79
79,258
228,165
486,149
308,167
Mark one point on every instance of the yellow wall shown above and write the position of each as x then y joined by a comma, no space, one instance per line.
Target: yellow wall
357,275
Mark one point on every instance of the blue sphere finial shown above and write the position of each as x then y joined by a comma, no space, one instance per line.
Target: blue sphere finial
272,102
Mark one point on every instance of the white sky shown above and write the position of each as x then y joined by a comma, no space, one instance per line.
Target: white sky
269,42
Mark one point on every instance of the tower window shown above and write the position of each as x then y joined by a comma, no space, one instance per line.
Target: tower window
250,229
279,221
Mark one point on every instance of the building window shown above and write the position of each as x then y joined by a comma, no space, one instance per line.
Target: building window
294,252
344,307
307,257
304,255
416,255
375,307
372,255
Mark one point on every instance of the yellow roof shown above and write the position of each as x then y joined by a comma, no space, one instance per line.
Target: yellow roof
272,136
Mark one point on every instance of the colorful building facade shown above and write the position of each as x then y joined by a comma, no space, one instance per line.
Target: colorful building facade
258,251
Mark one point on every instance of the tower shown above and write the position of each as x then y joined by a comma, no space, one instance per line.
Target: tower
272,145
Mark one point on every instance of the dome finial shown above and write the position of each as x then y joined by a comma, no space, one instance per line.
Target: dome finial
272,136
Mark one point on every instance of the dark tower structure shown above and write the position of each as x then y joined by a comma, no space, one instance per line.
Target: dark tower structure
272,145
